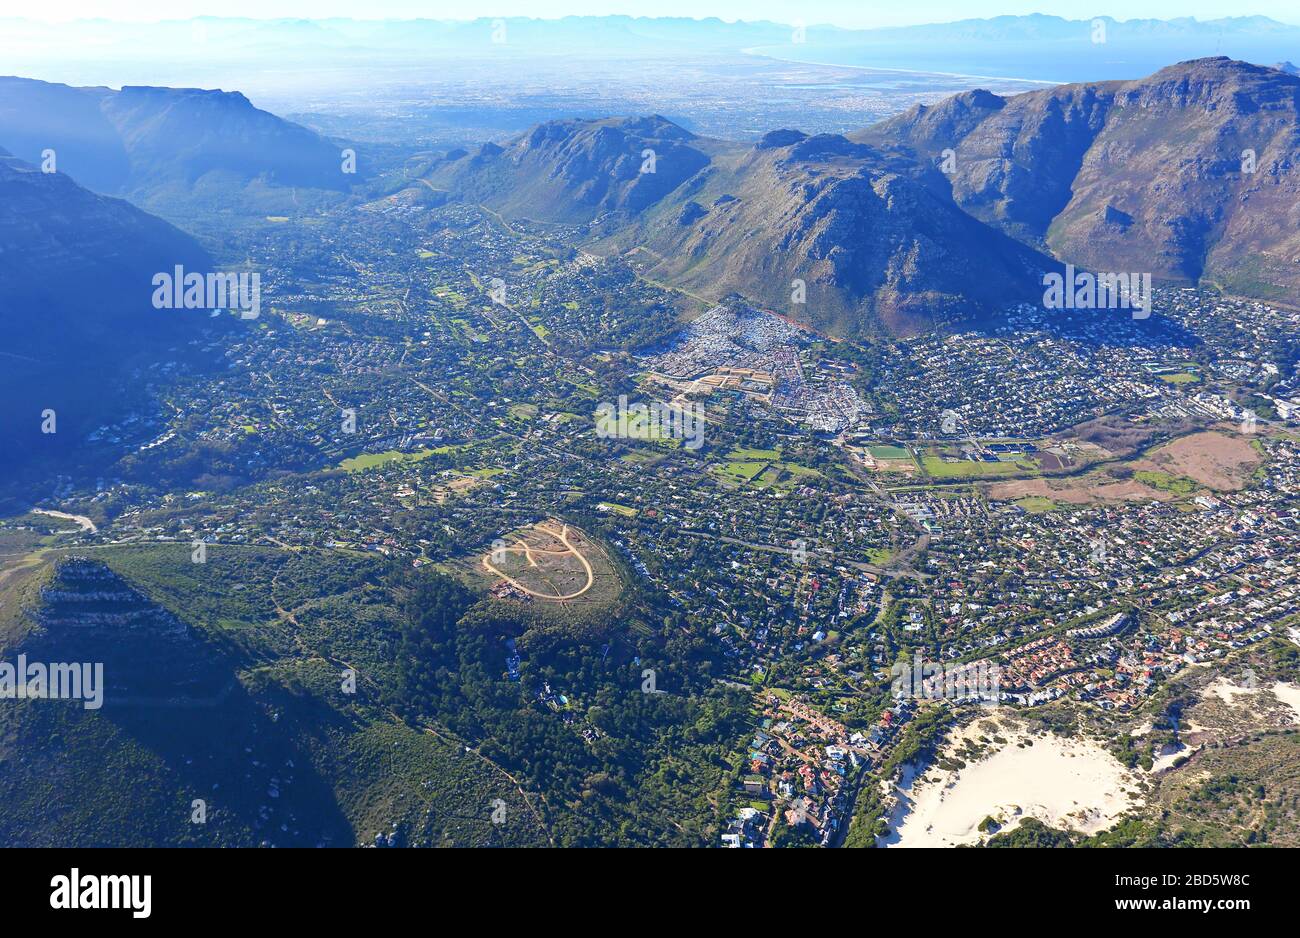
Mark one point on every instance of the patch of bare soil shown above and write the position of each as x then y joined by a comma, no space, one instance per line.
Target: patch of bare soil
1219,461
1081,491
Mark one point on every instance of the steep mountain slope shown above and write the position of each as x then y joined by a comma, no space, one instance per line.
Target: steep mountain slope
1011,161
194,742
1190,174
37,116
137,140
577,171
75,272
185,133
75,267
874,248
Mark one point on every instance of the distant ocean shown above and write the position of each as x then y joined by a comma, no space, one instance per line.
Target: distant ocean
1053,61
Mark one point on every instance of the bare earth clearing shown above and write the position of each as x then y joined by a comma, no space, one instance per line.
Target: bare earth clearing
1215,460
551,562
1080,491
549,582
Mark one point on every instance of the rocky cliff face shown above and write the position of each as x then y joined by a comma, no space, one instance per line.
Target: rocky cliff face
1190,174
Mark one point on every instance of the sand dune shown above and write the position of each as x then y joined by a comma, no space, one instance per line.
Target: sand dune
1070,783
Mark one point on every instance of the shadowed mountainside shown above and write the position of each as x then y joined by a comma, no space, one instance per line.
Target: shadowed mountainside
139,139
75,274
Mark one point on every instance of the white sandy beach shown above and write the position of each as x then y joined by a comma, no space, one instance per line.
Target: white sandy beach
1070,783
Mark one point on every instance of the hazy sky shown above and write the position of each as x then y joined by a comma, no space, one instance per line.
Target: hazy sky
839,12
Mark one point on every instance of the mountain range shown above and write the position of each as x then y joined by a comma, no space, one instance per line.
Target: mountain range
281,59
1191,174
945,212
871,246
160,145
604,34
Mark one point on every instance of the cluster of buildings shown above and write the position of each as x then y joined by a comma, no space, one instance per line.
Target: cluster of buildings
807,767
797,585
765,357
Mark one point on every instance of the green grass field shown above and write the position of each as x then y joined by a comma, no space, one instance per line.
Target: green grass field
371,460
739,472
967,468
1036,504
760,468
1176,485
640,457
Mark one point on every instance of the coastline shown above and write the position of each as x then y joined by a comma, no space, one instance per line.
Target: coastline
757,53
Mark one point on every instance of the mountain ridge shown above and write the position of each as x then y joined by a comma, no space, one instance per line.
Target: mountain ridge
1190,173
870,246
141,138
947,211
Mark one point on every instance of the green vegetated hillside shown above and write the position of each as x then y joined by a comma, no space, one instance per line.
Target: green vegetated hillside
225,683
